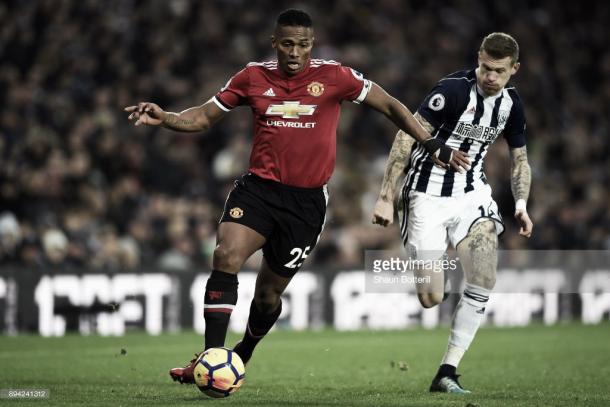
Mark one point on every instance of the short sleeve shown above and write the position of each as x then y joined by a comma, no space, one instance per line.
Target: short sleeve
514,130
438,104
353,86
234,93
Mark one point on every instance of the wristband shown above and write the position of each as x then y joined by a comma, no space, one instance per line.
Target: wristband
444,154
520,205
431,145
436,148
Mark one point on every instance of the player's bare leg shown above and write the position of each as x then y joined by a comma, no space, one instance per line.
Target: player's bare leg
431,291
234,244
479,257
265,309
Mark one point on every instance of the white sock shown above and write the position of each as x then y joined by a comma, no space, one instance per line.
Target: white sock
466,321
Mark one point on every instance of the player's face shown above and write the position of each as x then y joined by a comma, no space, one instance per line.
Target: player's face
293,46
493,74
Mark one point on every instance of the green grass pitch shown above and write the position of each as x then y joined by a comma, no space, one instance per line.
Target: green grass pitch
565,365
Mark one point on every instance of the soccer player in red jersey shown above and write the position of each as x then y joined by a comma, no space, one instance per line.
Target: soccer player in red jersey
280,204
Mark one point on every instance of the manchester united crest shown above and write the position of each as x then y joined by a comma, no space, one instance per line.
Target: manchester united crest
236,212
315,89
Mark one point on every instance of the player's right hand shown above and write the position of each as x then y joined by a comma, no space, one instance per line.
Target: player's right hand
383,214
146,113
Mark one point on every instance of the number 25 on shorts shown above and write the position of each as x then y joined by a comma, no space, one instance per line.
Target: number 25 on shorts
299,256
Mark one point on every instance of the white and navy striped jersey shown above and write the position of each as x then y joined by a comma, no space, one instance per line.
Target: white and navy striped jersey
465,119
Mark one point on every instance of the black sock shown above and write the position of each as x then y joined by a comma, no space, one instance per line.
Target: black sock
258,326
446,370
220,299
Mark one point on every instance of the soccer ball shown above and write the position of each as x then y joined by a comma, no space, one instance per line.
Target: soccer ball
219,372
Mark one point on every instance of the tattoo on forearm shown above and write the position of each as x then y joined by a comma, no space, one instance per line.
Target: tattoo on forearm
174,122
483,250
425,124
398,160
521,174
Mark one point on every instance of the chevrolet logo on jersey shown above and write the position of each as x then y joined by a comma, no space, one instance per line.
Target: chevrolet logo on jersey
290,110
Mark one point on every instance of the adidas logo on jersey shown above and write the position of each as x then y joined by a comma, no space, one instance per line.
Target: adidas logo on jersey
269,92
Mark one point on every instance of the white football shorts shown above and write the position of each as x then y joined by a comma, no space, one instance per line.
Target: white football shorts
428,224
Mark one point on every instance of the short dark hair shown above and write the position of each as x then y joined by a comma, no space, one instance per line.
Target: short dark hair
500,45
295,18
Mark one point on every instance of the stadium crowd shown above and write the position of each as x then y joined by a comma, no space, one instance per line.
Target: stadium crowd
81,187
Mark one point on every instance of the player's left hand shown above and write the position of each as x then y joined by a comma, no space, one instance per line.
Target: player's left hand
456,159
146,113
383,214
525,222
459,161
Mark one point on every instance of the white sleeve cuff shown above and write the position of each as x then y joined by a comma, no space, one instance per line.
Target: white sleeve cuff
366,87
220,105
520,205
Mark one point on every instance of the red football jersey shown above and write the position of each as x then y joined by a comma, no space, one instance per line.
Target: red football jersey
295,117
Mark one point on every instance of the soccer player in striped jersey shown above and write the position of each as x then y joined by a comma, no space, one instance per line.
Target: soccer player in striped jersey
279,206
467,110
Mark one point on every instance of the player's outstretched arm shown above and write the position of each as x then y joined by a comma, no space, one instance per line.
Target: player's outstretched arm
520,181
444,156
198,118
383,214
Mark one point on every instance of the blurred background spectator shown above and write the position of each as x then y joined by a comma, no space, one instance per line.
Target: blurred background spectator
81,187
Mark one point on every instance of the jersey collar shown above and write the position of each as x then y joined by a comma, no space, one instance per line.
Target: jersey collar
494,97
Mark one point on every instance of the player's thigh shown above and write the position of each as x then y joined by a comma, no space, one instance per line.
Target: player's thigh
244,226
478,253
235,243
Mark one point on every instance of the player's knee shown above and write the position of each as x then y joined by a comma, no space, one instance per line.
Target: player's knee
267,299
429,300
227,258
487,281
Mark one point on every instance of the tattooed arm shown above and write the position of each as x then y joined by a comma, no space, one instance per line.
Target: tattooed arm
397,161
520,179
198,118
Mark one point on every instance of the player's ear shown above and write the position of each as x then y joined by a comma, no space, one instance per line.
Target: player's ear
273,42
515,68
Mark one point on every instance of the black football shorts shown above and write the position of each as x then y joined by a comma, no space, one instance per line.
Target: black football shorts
290,218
